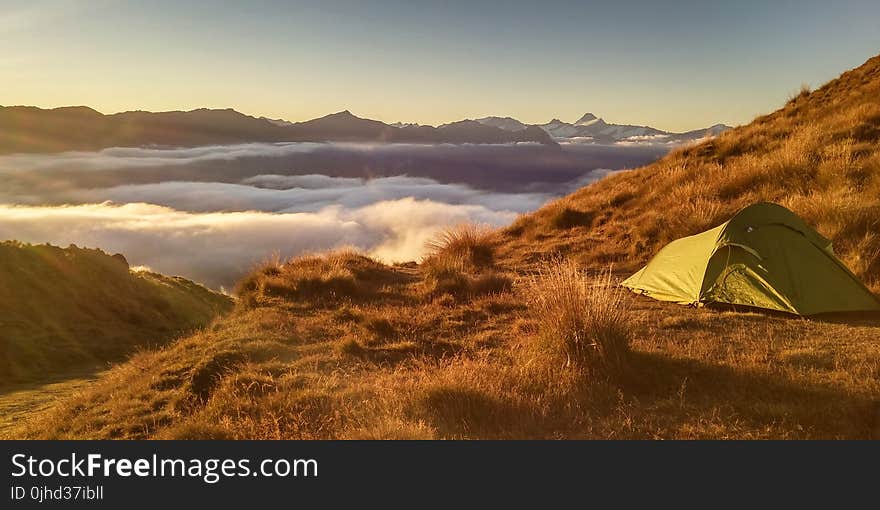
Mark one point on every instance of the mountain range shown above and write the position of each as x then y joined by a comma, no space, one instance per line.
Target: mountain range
590,128
32,129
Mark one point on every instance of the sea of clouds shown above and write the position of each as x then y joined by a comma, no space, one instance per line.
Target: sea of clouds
216,248
212,226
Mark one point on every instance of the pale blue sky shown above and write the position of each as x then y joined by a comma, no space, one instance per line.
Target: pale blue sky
675,65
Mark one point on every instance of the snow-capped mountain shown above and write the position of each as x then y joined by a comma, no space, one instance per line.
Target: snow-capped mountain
590,128
505,123
588,120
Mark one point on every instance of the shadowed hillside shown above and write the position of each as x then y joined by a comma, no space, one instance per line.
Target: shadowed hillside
501,335
819,156
61,308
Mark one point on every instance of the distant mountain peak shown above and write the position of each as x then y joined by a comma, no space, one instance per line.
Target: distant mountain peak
590,128
505,123
587,117
344,113
82,110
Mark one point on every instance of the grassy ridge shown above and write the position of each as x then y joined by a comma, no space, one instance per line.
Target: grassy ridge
819,156
64,307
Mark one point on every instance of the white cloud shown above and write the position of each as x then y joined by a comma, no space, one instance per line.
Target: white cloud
142,157
324,191
218,248
214,231
137,157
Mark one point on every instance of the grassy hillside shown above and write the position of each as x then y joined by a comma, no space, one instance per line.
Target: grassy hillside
499,335
66,307
819,156
345,347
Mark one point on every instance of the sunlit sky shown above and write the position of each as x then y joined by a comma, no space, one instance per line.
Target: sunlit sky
675,65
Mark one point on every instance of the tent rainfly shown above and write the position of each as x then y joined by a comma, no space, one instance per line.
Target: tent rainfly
764,257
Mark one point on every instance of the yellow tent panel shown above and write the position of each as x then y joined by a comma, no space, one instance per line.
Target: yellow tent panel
765,257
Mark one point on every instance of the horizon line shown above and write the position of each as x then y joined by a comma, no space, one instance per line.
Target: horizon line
348,110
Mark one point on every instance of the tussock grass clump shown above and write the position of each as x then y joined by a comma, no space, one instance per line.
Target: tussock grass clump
490,283
465,245
460,263
567,217
581,323
445,277
333,276
380,328
454,281
351,347
208,373
800,93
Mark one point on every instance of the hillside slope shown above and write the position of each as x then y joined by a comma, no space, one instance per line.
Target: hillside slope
341,346
819,156
61,308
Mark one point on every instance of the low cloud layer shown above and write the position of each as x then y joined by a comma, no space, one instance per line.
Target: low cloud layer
307,193
210,213
43,178
141,157
144,157
214,232
218,248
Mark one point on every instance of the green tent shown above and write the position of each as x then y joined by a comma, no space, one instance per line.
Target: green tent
765,257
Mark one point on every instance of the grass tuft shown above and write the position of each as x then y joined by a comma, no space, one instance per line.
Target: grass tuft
581,323
567,217
466,245
341,275
460,263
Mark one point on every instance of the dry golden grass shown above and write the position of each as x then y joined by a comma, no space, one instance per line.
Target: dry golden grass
345,347
461,263
466,245
323,279
581,323
395,365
